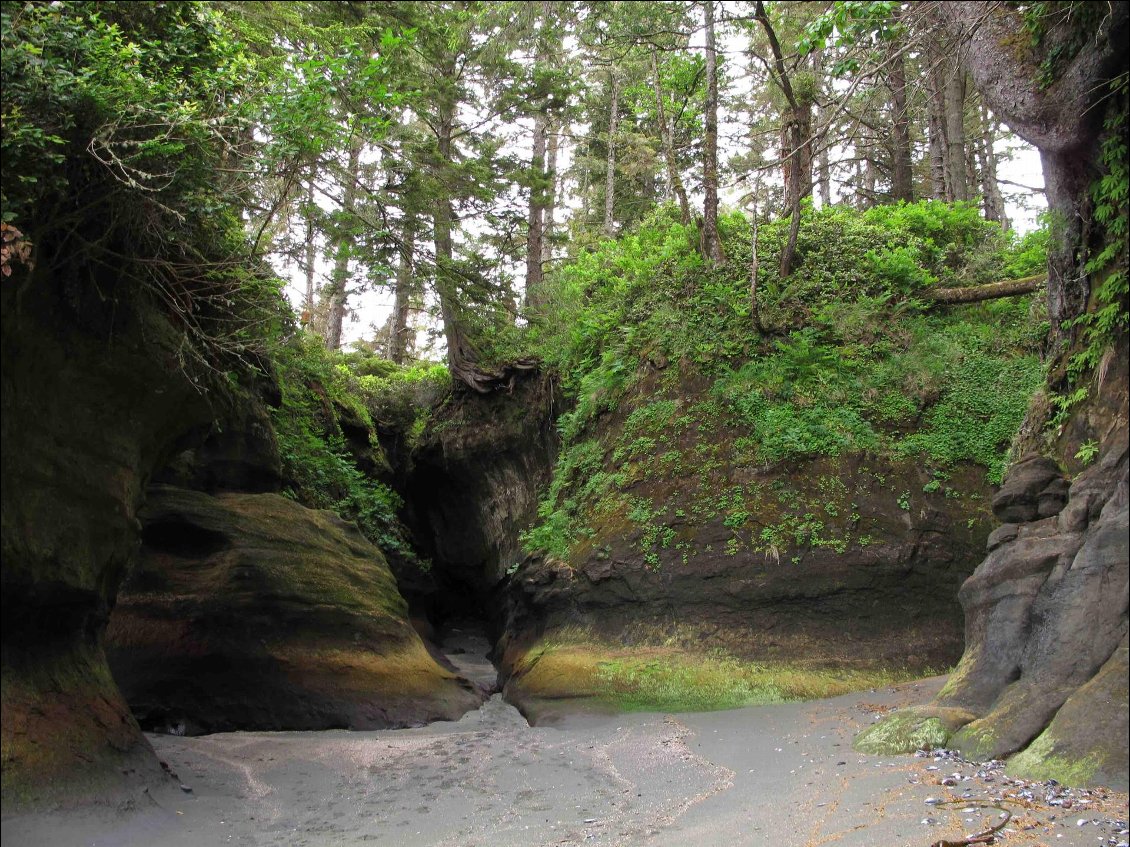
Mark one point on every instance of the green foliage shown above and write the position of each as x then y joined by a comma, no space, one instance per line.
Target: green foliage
399,397
1087,452
980,410
580,468
122,124
1028,254
849,360
321,468
138,85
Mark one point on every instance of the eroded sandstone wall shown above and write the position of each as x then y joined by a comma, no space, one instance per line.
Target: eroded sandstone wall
93,396
1043,678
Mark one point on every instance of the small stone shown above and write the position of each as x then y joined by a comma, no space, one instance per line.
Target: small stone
186,789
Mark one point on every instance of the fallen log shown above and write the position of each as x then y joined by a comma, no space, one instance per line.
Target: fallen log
990,291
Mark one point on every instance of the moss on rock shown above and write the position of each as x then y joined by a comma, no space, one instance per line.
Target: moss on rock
1086,742
655,674
906,731
251,611
1039,762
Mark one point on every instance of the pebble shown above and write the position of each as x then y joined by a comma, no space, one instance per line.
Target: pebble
997,787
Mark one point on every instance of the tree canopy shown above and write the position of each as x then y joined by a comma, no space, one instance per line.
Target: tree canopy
449,158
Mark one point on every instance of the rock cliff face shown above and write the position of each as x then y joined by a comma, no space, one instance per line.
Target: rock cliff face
236,450
250,611
1044,671
850,562
891,600
93,399
474,485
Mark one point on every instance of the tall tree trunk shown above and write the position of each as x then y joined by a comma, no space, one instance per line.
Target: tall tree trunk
610,172
902,176
987,160
336,294
796,149
460,353
940,188
535,219
824,176
405,291
793,193
870,181
711,241
796,144
754,267
666,136
551,196
954,97
311,256
819,143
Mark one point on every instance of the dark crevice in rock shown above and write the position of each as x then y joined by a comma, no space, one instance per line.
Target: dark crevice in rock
472,486
178,538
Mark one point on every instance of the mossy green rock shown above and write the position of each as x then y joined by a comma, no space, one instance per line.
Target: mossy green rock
250,611
908,730
1087,740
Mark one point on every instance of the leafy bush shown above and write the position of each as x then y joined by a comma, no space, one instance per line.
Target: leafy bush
321,470
845,358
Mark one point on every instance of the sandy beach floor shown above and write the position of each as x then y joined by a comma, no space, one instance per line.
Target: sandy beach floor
779,776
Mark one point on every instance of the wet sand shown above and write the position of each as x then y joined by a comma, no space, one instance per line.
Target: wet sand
779,776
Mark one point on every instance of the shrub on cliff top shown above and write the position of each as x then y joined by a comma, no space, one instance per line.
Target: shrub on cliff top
844,355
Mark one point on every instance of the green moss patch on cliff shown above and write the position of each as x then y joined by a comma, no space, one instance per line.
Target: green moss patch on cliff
658,676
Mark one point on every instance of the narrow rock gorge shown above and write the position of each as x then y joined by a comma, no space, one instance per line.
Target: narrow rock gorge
852,452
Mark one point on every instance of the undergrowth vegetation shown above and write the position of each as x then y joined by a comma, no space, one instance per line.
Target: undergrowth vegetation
675,371
327,428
